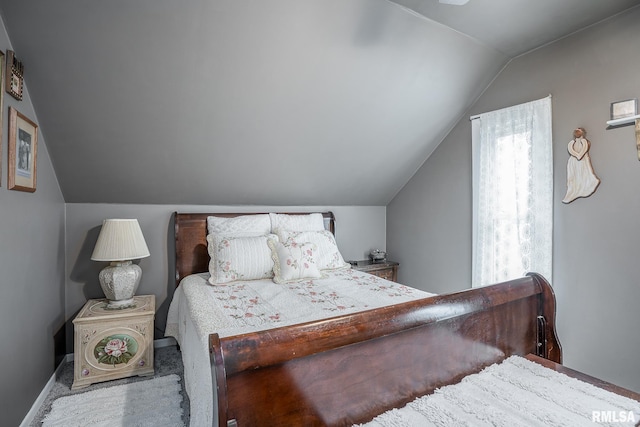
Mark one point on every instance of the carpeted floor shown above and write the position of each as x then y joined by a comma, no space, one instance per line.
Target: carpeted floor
167,360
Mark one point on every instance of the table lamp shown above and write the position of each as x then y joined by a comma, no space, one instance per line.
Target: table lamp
119,242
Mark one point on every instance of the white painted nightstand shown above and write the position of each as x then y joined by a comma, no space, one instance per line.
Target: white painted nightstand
112,344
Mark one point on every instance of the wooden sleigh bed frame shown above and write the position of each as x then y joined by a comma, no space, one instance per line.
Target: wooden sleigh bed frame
350,368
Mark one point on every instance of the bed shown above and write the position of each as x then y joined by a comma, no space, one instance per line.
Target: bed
352,365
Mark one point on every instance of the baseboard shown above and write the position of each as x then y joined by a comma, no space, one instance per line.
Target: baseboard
43,394
164,342
28,419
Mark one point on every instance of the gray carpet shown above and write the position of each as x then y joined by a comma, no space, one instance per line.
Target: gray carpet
167,360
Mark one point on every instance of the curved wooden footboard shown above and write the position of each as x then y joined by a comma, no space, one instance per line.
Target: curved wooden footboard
348,369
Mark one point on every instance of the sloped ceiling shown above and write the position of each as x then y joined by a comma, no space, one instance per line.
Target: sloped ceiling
278,102
514,27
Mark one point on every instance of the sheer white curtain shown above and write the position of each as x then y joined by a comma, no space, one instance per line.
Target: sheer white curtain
512,192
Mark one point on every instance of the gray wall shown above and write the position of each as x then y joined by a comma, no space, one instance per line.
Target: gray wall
358,230
596,240
32,279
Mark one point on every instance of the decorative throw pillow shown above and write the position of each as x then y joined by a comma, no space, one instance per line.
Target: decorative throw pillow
239,258
328,256
293,261
244,225
310,222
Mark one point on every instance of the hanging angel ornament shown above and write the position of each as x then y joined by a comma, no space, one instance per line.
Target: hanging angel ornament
581,179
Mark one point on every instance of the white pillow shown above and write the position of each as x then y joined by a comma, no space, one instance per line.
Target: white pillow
239,258
309,222
328,256
293,262
245,225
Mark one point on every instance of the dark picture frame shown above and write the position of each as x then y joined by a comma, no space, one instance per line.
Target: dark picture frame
14,76
23,152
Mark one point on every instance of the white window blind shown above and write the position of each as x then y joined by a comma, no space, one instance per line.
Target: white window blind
512,193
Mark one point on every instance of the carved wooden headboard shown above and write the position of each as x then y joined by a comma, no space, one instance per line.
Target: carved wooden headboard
191,239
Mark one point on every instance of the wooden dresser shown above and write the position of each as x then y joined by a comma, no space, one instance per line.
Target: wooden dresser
385,269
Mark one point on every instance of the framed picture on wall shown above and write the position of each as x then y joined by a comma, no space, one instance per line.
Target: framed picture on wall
622,109
14,76
23,152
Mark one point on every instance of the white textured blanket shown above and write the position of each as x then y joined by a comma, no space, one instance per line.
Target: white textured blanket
516,392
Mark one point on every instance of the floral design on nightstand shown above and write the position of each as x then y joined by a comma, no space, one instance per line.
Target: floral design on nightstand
115,349
141,329
87,334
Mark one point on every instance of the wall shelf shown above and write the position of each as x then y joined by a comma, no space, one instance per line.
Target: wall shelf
627,121
633,120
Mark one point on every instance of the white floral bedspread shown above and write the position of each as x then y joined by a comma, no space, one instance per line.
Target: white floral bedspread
241,307
199,309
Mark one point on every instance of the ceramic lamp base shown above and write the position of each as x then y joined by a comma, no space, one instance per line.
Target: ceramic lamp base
119,282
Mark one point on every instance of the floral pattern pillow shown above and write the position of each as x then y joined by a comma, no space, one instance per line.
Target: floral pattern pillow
328,257
293,261
239,258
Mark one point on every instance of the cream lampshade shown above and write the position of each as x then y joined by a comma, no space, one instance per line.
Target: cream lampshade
119,242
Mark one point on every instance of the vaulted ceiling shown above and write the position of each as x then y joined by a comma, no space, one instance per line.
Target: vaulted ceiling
275,102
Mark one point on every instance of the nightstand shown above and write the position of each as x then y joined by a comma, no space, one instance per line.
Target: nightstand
112,344
385,269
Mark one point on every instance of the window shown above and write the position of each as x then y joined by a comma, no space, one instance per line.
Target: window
512,193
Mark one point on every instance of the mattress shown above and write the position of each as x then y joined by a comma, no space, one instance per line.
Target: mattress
199,309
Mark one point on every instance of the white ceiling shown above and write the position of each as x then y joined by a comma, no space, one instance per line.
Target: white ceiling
278,102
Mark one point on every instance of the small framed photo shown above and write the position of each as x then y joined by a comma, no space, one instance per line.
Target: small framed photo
623,109
23,152
14,76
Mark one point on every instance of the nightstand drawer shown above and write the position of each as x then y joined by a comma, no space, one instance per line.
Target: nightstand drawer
113,344
385,274
387,270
